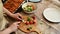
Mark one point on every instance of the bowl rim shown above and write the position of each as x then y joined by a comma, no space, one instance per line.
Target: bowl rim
31,11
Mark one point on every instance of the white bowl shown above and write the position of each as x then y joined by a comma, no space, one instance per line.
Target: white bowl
29,3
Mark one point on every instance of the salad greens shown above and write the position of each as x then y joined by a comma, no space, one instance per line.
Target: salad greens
28,8
29,19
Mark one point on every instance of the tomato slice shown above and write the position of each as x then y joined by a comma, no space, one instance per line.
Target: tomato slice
27,23
31,22
34,21
33,17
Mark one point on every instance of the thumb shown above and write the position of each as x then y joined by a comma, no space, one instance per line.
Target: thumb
17,22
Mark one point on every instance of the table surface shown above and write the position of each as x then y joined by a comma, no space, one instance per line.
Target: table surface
43,25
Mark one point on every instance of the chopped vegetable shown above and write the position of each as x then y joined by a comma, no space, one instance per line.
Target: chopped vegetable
34,21
27,22
29,8
31,22
29,28
41,23
29,19
34,17
33,7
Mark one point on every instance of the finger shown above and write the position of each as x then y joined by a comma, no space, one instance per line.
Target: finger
19,18
17,23
20,15
27,32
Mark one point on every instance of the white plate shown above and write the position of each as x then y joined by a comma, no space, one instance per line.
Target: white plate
52,14
34,0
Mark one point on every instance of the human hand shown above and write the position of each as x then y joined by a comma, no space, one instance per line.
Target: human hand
14,27
11,29
16,16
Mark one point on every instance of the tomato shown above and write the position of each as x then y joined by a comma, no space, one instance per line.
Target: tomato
27,23
34,21
33,7
31,22
33,17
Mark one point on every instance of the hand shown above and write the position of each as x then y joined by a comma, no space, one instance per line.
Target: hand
17,16
14,27
10,29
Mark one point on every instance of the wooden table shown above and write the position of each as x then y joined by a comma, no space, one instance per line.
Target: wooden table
43,5
43,25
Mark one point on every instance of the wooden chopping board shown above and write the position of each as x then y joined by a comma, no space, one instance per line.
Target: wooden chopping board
23,27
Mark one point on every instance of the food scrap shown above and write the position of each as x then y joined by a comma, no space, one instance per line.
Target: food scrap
29,28
29,8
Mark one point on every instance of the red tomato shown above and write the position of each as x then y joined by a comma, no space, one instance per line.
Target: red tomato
34,21
33,17
31,22
27,23
33,7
